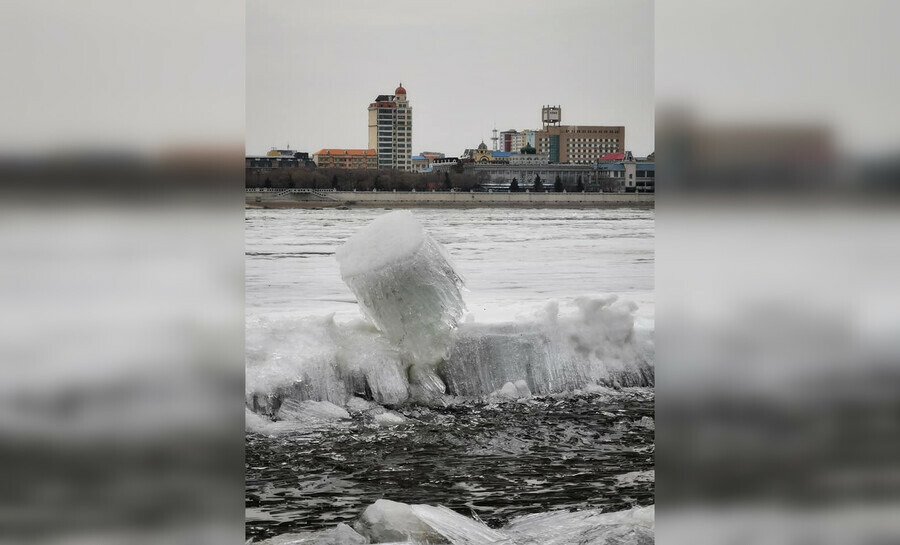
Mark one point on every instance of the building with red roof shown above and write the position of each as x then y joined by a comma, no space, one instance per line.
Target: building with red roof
346,158
390,130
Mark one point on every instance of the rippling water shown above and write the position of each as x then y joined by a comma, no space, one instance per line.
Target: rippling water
494,461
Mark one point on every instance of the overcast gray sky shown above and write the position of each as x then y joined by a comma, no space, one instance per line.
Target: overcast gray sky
314,66
107,75
803,61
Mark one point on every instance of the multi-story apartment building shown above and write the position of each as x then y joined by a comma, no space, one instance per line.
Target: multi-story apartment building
579,144
390,130
521,139
346,158
506,140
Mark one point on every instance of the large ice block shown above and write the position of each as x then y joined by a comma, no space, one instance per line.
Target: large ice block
405,284
595,344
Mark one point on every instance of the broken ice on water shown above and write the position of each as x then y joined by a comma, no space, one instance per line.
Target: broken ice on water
387,521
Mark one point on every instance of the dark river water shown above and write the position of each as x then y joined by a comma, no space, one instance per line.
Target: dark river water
493,461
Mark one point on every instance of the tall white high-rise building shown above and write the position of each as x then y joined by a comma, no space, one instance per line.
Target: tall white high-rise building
390,130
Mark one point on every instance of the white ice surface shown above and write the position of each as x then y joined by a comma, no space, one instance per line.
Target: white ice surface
456,528
389,418
307,410
567,347
387,239
589,527
387,520
636,477
576,344
590,341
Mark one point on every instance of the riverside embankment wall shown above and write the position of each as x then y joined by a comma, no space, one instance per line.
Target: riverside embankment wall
465,198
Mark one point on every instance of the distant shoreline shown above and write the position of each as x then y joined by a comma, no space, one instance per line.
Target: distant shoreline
386,199
281,205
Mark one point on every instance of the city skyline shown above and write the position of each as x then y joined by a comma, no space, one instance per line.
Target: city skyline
311,77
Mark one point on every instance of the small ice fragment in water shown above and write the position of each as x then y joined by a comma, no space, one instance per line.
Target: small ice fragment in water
358,405
522,388
509,391
389,419
634,477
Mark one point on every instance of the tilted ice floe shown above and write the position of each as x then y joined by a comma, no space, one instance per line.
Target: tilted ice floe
405,284
413,348
388,521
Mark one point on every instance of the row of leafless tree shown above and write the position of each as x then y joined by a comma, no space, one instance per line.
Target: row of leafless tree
360,180
387,180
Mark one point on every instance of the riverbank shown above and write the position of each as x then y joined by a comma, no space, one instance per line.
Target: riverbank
414,199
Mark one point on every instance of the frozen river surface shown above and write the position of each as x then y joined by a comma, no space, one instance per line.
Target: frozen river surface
513,260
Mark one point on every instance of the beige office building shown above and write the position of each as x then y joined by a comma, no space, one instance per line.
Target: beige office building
346,158
390,130
579,144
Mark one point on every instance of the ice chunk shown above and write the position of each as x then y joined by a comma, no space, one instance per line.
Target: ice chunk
292,359
387,520
594,343
426,385
458,529
522,389
256,423
339,535
591,527
567,348
357,405
309,410
484,357
517,391
389,418
253,421
368,364
321,360
508,391
405,284
634,477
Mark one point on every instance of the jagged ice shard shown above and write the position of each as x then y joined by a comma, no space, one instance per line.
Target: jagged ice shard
405,284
